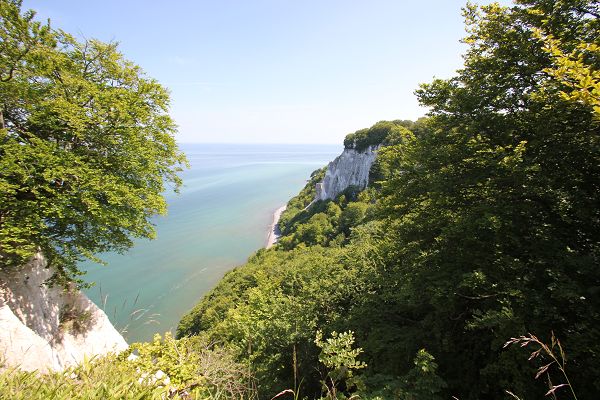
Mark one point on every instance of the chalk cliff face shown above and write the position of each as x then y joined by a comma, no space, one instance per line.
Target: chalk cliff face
351,168
49,328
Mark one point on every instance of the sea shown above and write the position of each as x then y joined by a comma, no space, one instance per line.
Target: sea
221,216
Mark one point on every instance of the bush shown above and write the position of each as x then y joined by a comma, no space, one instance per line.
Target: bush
165,368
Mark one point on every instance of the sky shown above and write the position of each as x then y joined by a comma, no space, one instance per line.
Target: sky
277,71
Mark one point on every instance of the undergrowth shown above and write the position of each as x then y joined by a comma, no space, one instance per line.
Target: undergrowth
166,368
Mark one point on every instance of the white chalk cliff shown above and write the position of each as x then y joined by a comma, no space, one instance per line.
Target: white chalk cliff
44,328
351,168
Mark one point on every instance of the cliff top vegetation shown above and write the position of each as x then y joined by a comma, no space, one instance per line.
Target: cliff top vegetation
383,132
86,146
482,226
481,232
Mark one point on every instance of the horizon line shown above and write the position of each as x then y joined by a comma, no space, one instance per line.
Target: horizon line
263,143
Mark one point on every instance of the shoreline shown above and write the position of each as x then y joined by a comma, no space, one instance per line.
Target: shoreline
274,232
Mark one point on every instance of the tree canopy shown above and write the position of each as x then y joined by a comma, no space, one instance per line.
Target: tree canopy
86,146
494,213
482,224
383,132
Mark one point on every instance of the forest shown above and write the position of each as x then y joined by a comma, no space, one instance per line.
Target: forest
470,264
467,269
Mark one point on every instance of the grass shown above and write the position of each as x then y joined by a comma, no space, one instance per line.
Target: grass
104,378
552,352
195,369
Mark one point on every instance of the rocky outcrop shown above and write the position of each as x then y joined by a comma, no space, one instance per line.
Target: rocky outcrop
351,168
43,328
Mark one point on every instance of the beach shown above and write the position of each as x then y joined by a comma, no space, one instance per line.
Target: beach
213,225
274,232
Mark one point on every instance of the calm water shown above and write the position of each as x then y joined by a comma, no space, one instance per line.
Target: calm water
221,216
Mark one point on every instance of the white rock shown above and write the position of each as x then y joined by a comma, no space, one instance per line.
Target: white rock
351,168
143,378
32,335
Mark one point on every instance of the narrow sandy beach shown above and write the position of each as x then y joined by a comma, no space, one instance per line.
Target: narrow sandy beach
274,231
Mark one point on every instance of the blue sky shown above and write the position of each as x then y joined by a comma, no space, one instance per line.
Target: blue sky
277,71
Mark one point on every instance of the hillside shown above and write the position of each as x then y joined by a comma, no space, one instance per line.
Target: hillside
480,225
463,265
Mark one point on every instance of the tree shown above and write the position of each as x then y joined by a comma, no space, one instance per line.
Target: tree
317,231
494,224
352,216
269,310
86,146
574,59
488,228
339,358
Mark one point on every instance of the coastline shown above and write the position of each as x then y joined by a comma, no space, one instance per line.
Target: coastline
274,232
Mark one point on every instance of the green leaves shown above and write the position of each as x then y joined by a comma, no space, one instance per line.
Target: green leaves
270,309
190,368
575,70
383,132
87,146
483,222
483,206
339,358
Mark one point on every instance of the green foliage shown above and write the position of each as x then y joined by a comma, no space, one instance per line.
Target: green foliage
189,369
175,358
333,212
573,70
273,320
574,58
297,207
380,171
318,230
422,382
86,146
73,319
383,132
339,359
481,224
104,378
352,216
329,222
194,366
231,290
490,214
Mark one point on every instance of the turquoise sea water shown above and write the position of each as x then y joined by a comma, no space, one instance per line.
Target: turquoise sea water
221,216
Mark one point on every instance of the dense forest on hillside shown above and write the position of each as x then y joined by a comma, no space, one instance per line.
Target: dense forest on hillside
483,225
467,269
